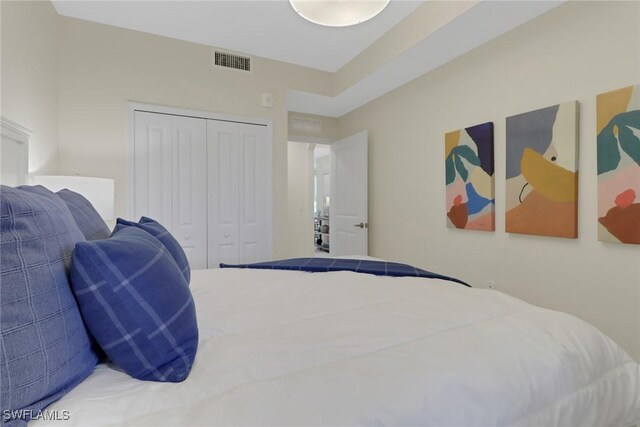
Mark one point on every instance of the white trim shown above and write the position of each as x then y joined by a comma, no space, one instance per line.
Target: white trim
163,109
19,134
269,160
312,140
132,170
14,130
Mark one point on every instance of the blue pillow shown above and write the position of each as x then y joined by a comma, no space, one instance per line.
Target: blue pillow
137,304
45,348
86,216
45,192
154,228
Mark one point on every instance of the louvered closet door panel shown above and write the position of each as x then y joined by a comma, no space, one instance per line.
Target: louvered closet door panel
222,148
253,204
189,170
152,166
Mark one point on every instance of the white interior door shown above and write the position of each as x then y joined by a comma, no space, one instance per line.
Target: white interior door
152,167
253,192
348,230
239,193
222,144
189,214
209,182
169,178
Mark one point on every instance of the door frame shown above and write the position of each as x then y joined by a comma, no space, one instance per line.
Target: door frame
133,106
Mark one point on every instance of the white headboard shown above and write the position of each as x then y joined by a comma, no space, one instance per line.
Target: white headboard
14,153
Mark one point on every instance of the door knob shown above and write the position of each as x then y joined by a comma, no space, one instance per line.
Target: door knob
361,225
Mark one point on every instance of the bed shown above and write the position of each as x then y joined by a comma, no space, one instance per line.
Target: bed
282,348
291,348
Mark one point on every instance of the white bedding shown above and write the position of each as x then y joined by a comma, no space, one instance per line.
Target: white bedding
291,348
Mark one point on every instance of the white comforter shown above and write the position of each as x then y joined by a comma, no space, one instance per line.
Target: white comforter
290,348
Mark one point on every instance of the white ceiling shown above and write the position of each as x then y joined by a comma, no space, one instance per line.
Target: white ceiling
268,28
478,25
272,29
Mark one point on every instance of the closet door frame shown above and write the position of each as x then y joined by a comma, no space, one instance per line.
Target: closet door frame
161,109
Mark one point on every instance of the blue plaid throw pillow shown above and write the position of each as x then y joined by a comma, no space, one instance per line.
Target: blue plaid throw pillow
86,216
154,228
45,349
137,304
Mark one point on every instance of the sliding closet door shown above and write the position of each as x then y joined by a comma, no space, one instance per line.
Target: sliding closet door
189,170
170,178
222,149
152,167
253,192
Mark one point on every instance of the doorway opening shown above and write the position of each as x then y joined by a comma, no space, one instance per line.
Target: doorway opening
327,196
309,197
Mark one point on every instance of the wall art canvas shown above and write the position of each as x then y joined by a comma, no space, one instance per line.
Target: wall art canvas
618,130
469,178
542,172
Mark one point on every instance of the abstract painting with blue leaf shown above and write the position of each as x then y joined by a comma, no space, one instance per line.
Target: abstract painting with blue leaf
618,129
469,178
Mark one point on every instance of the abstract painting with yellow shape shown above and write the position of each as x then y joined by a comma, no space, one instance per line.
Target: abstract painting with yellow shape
469,178
542,172
618,130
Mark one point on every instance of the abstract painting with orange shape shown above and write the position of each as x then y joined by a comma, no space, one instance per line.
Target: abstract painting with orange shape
469,178
542,172
618,130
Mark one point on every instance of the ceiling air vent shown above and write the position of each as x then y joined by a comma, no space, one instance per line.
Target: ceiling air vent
229,60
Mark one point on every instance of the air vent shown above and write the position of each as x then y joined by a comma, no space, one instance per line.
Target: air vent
305,124
228,60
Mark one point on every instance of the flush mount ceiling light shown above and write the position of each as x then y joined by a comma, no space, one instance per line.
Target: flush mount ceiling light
338,13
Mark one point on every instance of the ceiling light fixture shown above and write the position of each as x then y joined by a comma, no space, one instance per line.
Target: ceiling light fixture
338,13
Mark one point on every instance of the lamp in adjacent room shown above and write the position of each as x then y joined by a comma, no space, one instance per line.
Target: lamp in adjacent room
338,13
99,191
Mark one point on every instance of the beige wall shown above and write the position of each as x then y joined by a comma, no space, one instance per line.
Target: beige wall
101,68
30,78
573,52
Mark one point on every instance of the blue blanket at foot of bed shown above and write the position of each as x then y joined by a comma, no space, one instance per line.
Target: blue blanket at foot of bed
323,265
